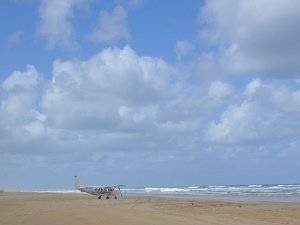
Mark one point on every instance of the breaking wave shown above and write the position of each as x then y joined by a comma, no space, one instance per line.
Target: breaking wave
277,192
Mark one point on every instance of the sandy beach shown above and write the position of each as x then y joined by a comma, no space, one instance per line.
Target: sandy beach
81,209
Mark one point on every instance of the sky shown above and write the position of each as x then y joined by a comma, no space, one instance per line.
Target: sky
149,93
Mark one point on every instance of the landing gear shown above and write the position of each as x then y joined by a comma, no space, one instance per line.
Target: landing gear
107,197
99,197
115,197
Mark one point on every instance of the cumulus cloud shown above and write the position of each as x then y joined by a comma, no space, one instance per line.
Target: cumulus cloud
267,113
22,80
125,100
112,27
133,102
19,94
113,92
55,22
97,92
117,106
256,37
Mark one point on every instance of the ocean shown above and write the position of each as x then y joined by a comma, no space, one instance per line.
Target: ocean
255,192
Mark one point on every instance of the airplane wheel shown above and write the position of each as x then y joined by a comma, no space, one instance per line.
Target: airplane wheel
115,197
99,197
107,197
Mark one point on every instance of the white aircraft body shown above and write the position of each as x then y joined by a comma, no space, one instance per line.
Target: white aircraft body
100,191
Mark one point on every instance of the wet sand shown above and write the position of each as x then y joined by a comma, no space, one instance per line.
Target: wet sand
82,209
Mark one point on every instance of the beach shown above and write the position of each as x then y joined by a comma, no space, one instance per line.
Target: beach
18,208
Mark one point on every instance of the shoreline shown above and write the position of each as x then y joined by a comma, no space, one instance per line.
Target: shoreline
245,193
32,208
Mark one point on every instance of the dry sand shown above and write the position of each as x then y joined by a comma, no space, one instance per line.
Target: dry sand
81,209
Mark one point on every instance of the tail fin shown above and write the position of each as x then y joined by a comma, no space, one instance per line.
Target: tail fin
77,183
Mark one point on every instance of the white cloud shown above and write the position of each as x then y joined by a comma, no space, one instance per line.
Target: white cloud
126,100
19,92
267,114
239,124
219,89
55,24
118,106
252,86
259,37
90,93
22,80
183,47
112,27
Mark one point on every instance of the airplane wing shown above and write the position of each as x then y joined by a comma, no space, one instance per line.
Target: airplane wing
115,186
120,185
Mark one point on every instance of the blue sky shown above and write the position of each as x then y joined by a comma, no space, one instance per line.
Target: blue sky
149,93
152,31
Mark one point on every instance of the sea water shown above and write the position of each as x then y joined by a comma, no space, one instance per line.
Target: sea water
254,192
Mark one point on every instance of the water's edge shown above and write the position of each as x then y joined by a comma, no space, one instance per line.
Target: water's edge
255,192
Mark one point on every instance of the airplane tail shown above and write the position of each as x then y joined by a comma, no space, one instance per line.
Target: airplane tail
77,183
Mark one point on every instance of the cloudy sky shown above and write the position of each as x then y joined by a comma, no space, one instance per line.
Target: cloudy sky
149,92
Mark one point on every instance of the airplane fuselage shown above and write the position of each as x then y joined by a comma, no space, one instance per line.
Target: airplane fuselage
100,191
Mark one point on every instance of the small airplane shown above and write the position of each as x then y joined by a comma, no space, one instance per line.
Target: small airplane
99,191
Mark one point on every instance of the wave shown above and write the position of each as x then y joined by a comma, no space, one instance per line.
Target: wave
255,186
171,189
289,185
217,186
192,187
281,190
